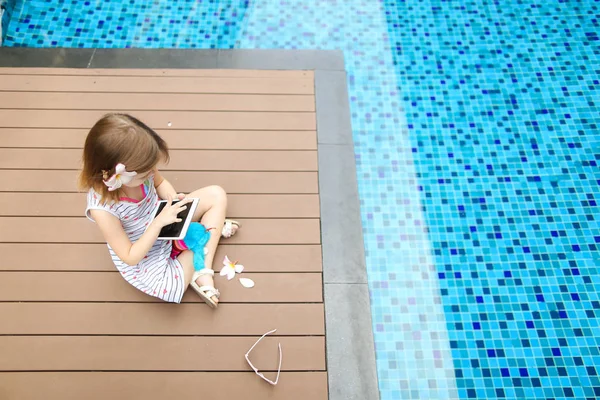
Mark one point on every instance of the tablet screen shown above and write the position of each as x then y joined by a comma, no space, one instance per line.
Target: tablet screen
173,230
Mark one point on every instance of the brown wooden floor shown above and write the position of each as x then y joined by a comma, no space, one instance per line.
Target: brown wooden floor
71,327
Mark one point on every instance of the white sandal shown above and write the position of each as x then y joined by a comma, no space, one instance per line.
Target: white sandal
227,231
206,292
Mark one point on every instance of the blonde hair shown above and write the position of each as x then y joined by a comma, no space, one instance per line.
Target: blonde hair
114,139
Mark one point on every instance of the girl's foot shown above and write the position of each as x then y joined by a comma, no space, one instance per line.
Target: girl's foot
230,228
207,281
202,283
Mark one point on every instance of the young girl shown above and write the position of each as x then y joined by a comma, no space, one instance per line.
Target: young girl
120,160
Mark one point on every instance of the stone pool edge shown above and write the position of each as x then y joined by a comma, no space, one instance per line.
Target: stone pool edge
350,350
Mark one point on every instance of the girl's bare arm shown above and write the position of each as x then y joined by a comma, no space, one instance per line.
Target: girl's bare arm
115,236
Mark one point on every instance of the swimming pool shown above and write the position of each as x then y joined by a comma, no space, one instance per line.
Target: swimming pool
477,149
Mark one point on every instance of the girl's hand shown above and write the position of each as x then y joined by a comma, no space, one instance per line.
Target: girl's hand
180,196
169,214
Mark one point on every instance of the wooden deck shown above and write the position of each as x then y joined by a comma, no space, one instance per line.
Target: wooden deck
71,327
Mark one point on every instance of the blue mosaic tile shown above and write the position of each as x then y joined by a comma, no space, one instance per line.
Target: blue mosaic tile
501,113
477,148
6,12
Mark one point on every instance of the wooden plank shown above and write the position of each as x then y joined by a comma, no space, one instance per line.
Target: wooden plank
160,319
74,138
161,119
80,230
156,84
118,353
161,386
95,257
233,73
156,101
111,287
186,160
239,205
184,181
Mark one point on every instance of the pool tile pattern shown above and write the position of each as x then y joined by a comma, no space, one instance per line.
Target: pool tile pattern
6,10
477,147
501,101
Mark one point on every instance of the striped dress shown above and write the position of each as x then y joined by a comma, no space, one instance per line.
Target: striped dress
158,274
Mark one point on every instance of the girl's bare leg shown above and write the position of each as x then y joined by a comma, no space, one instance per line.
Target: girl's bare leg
211,210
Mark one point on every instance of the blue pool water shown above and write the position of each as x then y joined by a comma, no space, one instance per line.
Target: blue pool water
477,149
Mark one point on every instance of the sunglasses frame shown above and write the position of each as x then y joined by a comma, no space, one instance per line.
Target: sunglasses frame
256,369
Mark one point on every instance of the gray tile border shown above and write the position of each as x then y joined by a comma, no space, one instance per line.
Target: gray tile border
323,60
333,116
350,344
341,227
51,58
154,58
351,361
281,59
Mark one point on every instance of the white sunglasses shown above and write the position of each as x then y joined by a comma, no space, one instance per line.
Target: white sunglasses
256,369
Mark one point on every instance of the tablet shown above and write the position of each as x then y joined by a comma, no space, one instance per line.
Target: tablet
177,230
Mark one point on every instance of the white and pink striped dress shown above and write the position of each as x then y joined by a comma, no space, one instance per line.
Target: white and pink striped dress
158,274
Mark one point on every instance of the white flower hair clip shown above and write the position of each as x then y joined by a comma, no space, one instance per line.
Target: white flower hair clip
120,177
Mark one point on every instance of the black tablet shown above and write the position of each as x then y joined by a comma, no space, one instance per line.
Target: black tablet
177,230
